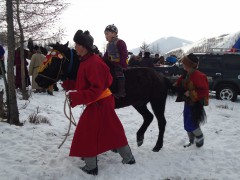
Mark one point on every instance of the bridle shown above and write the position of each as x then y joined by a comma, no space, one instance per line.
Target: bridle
48,60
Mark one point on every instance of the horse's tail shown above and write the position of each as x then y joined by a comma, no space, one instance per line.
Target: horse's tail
171,89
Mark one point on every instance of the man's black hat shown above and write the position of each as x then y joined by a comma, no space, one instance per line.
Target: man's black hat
84,39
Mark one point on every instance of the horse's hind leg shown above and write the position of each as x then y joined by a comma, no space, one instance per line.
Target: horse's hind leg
147,119
158,107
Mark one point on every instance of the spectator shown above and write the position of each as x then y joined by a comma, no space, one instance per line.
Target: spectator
2,52
156,59
140,55
172,59
147,61
134,61
159,61
17,64
36,60
162,60
194,90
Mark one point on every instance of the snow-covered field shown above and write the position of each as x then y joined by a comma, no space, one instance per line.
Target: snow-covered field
31,152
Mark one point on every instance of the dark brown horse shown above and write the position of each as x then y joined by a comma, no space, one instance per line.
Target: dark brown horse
143,86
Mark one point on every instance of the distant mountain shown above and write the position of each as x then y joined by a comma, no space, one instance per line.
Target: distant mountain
178,46
163,45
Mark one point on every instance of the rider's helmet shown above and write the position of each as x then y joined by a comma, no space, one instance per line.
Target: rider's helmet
111,28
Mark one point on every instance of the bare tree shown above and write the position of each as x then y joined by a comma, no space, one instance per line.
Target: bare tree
13,114
39,18
26,18
35,19
144,47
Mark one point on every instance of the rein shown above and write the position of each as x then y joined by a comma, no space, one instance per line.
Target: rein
49,77
69,117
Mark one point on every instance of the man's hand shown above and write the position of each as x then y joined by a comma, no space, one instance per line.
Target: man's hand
72,96
187,93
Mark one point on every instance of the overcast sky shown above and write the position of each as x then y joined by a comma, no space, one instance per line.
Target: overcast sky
139,21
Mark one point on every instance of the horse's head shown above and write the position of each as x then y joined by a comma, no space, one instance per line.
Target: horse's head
60,63
63,48
43,50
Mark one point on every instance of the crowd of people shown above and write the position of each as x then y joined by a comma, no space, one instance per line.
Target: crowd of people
99,128
148,61
30,69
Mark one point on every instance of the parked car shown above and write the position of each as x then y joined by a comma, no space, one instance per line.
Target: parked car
221,68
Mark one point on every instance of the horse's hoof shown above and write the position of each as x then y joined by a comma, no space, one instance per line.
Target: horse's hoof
139,143
157,149
140,140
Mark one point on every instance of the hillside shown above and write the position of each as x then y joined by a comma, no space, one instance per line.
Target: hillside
225,41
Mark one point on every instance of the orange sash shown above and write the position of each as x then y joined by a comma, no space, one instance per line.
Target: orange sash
104,94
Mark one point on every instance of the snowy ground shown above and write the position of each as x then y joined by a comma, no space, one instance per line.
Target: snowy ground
31,152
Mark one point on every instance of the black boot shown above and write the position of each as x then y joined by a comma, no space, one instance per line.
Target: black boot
199,141
91,166
92,171
189,144
121,88
132,161
191,139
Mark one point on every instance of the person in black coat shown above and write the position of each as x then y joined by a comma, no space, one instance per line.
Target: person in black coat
147,61
134,61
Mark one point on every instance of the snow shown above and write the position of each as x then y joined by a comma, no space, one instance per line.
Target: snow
31,152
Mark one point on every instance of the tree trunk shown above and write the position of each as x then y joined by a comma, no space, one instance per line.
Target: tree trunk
13,114
22,56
